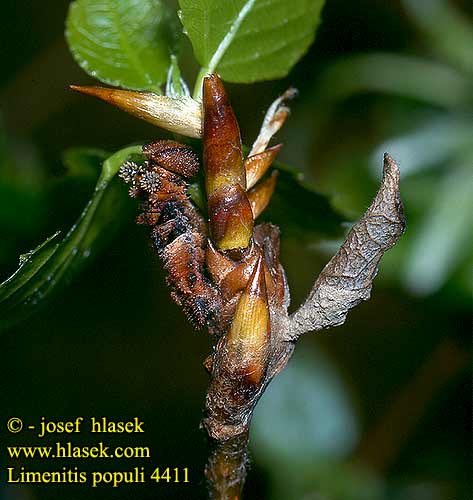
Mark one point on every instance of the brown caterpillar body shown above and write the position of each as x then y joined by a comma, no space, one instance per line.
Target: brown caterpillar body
210,263
178,231
173,156
179,234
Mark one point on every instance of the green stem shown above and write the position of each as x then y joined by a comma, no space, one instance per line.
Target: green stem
197,94
222,48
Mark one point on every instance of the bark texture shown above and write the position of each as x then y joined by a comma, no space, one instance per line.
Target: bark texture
344,282
347,279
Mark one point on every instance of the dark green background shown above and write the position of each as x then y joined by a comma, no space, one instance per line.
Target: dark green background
113,344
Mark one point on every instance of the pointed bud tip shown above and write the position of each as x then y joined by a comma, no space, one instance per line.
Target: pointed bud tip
213,92
257,165
391,170
101,92
213,82
181,115
291,93
261,194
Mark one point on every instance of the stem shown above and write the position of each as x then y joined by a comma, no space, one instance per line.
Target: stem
242,296
222,48
197,94
226,468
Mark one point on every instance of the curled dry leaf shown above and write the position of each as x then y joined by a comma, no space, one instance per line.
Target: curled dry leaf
347,279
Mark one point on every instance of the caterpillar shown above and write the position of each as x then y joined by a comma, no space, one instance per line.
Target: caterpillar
178,230
209,262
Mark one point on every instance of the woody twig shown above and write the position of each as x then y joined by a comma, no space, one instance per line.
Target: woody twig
224,269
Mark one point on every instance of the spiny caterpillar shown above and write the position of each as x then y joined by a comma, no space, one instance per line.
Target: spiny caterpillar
210,262
179,231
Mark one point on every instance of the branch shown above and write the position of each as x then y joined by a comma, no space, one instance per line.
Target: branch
347,279
226,273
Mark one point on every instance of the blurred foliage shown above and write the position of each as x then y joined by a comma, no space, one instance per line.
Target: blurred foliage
22,192
389,413
422,108
428,132
321,397
45,269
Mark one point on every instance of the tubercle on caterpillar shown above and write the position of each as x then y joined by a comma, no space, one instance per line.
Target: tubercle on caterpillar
178,234
209,263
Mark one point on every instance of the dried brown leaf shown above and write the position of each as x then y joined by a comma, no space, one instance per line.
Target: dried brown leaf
347,279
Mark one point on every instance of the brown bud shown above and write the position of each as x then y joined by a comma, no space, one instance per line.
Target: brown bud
218,264
274,286
182,115
173,156
260,195
249,334
237,280
223,160
257,165
230,218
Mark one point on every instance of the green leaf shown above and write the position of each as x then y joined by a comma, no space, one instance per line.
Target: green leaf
175,85
421,79
83,162
124,43
249,40
53,263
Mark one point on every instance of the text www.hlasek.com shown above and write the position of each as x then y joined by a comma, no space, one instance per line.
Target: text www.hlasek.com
20,473
67,450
